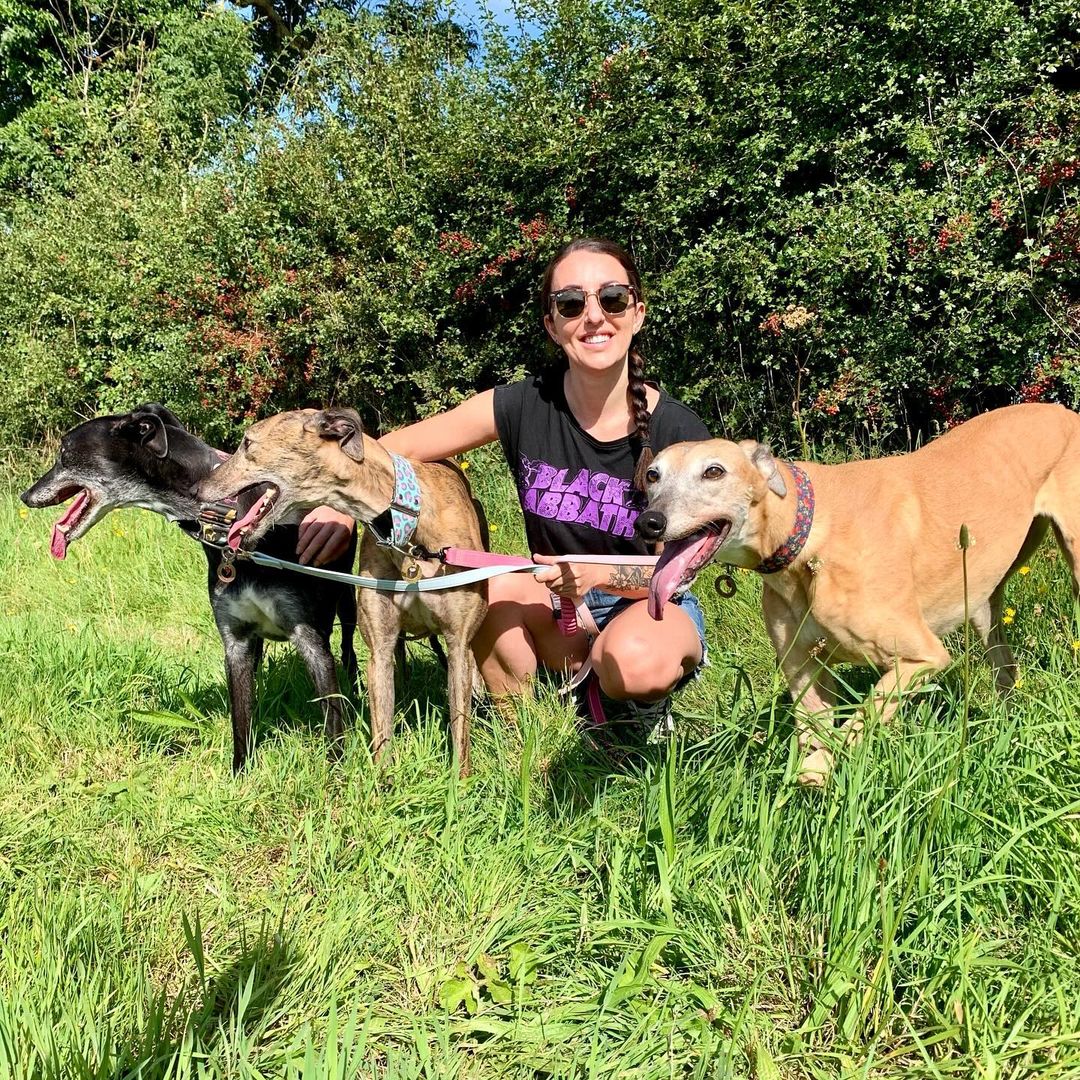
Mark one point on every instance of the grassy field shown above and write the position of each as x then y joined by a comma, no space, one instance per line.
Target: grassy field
690,913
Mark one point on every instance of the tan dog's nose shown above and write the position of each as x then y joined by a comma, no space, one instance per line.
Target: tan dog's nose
650,525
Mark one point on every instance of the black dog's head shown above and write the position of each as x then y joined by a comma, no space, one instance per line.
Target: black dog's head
143,458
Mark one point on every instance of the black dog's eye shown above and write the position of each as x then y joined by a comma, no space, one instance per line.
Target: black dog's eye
652,475
714,472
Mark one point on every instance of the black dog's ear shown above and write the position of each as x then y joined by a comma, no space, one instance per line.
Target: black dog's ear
343,426
146,428
168,417
761,457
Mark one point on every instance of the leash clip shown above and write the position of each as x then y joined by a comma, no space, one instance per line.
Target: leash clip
226,571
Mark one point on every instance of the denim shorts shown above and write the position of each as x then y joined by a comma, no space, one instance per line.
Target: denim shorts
604,606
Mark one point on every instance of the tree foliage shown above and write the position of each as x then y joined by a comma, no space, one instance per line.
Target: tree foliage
855,226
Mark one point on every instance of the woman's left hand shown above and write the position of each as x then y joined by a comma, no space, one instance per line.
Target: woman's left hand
572,579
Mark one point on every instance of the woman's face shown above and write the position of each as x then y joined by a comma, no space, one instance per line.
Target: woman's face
594,340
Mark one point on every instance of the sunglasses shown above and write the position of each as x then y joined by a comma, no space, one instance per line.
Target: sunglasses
612,298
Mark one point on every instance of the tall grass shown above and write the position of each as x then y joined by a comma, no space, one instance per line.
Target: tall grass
692,912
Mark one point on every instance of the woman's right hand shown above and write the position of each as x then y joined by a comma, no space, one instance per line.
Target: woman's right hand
570,579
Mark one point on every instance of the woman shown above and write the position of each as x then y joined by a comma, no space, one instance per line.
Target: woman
578,438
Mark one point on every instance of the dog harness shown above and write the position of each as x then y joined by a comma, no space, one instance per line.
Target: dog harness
789,550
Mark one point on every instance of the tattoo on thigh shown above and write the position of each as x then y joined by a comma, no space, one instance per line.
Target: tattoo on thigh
630,577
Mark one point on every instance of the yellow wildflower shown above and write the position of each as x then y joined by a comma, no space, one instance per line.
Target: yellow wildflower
465,465
119,532
1007,620
1075,645
1019,682
1010,611
493,526
1024,570
23,512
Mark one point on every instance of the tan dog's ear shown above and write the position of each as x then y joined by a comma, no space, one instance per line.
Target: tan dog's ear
761,457
343,426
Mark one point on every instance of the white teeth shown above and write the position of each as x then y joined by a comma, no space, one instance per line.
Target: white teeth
65,529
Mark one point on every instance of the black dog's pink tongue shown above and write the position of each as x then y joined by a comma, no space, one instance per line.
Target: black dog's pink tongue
59,543
678,563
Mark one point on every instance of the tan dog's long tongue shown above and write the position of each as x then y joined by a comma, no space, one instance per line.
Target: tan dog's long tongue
679,562
59,543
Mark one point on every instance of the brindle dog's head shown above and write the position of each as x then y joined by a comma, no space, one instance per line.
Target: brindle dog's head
305,458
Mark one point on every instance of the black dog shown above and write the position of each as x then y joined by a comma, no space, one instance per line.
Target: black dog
147,458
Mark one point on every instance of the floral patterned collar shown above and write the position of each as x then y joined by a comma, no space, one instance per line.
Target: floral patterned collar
789,550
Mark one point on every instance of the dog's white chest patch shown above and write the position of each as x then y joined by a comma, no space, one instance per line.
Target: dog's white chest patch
257,608
417,616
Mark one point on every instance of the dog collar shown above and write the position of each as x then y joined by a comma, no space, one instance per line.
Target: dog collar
395,526
789,550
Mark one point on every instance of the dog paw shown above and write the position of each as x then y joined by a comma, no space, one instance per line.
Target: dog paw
816,768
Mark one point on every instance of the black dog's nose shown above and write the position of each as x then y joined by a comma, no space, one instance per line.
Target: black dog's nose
650,525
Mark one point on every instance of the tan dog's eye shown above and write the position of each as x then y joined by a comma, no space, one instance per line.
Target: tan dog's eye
246,444
652,475
714,472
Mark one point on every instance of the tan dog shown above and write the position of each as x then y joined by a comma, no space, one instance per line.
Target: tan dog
879,577
314,458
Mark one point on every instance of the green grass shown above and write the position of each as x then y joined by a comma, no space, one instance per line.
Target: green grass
694,913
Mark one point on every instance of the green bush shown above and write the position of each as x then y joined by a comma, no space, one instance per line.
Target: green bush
855,227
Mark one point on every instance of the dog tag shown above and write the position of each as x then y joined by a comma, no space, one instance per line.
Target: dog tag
410,570
725,586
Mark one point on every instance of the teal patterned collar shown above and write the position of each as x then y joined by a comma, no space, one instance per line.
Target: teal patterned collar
395,526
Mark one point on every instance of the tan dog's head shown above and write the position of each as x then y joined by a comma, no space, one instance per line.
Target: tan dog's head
303,458
702,497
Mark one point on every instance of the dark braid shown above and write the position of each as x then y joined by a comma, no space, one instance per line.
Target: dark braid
639,408
635,390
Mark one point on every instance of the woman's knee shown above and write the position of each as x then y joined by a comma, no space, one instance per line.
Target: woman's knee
634,667
638,658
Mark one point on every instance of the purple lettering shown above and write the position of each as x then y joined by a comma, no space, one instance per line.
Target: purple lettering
624,525
548,506
545,473
590,515
571,504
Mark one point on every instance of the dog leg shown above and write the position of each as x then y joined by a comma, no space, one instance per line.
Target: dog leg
813,693
380,688
812,689
987,621
346,613
1067,539
314,650
241,658
903,677
459,664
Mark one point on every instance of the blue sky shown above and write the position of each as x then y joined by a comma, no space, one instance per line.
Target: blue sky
471,11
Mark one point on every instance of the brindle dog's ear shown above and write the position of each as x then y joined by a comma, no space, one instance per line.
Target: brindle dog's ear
146,428
761,457
343,426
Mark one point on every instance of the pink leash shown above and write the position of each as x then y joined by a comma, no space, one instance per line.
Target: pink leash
568,621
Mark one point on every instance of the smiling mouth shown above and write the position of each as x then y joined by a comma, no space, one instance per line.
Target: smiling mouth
256,521
73,517
681,561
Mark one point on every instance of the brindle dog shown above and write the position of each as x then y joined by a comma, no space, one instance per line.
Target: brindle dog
315,458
